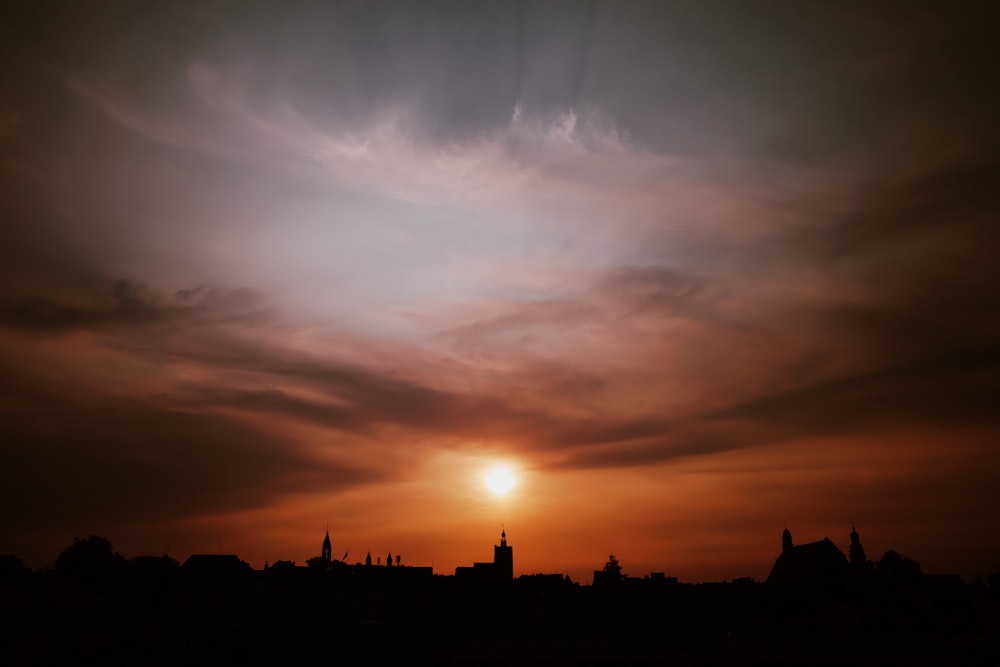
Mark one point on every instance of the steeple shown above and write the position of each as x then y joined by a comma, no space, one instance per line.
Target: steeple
327,553
503,559
857,553
786,539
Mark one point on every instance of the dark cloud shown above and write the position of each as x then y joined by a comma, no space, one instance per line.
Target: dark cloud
953,200
127,304
914,295
954,389
75,461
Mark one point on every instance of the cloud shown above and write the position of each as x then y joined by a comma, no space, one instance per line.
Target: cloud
719,365
75,460
127,304
387,155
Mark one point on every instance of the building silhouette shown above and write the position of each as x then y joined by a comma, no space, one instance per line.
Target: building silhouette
500,570
503,558
810,564
857,552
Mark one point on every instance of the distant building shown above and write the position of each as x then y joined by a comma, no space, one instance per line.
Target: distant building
503,559
814,563
501,569
857,552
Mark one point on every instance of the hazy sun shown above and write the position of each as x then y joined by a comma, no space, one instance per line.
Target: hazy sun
499,480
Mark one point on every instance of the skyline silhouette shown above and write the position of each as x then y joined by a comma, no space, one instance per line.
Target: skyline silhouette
796,564
97,607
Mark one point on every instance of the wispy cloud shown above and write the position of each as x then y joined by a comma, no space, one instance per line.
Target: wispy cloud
387,156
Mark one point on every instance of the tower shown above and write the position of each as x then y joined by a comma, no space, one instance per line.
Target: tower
327,553
857,552
786,540
503,559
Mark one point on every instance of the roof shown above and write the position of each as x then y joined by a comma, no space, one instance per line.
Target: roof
811,563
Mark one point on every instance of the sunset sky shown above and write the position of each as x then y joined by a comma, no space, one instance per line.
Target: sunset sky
689,270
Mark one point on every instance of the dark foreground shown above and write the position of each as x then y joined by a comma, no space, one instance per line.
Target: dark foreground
164,616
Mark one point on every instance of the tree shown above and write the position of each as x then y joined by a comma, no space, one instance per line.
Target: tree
613,568
11,567
91,557
897,567
318,563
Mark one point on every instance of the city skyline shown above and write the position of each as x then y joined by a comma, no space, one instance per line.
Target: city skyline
685,271
508,570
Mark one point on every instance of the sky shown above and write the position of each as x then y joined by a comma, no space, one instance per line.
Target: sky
689,270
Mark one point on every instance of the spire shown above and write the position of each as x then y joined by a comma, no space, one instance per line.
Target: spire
786,539
327,552
503,536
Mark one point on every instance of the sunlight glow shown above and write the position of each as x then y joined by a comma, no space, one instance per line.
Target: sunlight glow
500,481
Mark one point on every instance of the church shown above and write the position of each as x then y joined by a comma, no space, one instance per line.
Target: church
501,569
814,563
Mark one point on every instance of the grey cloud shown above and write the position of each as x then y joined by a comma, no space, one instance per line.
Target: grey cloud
684,77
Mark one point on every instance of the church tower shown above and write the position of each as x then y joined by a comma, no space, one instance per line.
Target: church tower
503,559
327,553
786,540
857,553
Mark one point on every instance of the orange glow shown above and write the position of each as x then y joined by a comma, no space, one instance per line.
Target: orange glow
499,480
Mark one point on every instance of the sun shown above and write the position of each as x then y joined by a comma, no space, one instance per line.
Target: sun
499,480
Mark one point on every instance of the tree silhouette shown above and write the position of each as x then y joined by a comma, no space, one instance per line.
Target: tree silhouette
11,567
318,563
91,557
613,568
897,567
